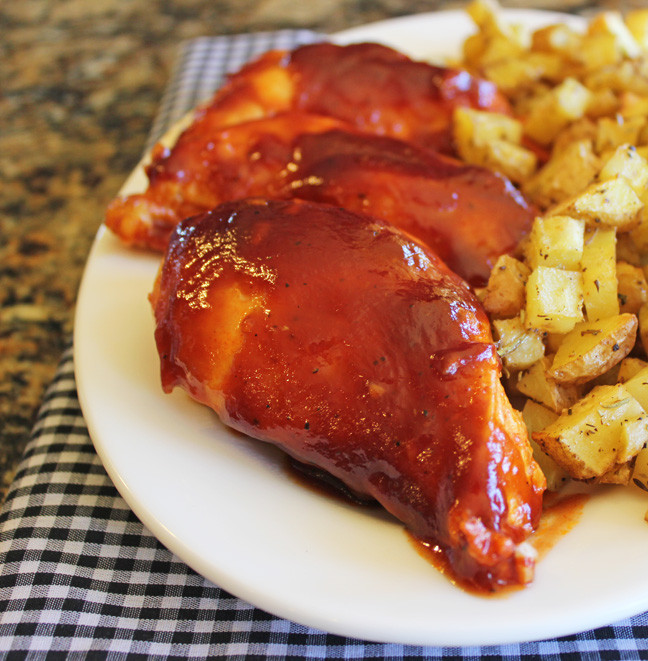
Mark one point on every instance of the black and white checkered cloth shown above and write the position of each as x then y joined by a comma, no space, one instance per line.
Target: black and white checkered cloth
80,576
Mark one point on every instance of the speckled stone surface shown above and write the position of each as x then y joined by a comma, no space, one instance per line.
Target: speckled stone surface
79,86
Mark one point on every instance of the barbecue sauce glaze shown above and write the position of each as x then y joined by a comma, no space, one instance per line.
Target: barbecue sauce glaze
354,348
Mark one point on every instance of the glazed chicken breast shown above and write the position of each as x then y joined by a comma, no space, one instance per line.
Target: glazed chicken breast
354,348
207,167
373,87
467,214
242,143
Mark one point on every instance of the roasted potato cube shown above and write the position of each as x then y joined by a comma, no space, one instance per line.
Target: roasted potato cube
472,49
492,140
587,439
598,266
536,417
553,341
633,105
604,103
517,345
608,378
634,436
481,126
622,77
582,129
626,250
498,39
611,203
556,38
514,73
498,48
480,293
611,22
637,386
613,132
556,241
511,160
628,368
554,299
639,234
487,16
637,22
593,347
536,384
506,289
564,103
643,327
627,162
597,51
620,474
640,471
632,287
568,171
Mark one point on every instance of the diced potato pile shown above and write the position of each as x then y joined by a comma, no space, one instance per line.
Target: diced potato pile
570,309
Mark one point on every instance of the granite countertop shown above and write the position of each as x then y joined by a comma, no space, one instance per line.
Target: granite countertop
80,85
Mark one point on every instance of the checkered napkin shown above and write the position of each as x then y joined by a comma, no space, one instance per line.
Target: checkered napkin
80,576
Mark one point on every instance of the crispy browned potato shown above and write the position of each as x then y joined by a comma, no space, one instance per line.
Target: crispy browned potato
629,367
493,140
614,132
554,299
598,266
627,162
556,241
640,471
567,172
602,431
536,383
517,345
620,474
536,417
593,347
612,23
632,287
554,110
627,250
637,22
506,290
643,327
611,203
637,386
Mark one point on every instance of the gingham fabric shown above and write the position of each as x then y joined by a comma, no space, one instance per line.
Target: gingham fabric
80,576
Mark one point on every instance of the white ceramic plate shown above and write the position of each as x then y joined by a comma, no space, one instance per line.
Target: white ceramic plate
226,505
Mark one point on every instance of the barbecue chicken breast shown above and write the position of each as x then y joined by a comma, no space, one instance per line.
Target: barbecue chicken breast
354,348
373,87
467,214
242,142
